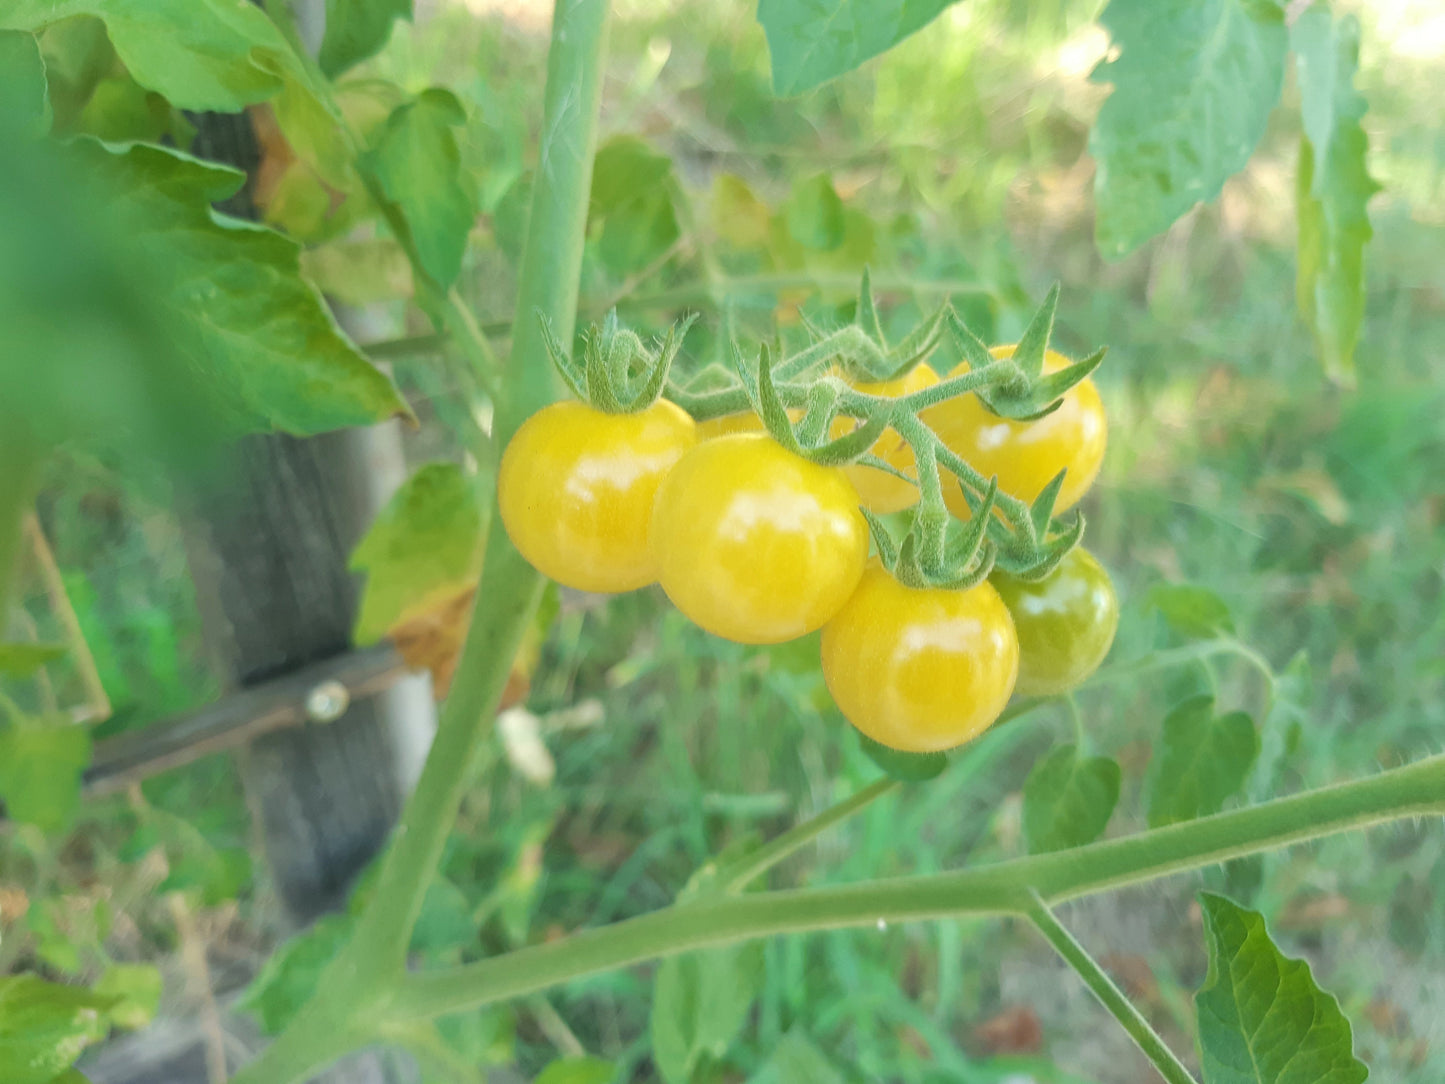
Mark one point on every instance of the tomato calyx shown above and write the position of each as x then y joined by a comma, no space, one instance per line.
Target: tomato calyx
938,551
1022,390
618,373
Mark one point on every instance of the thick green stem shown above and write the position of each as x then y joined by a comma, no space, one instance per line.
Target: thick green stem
557,226
1123,1010
1004,888
356,987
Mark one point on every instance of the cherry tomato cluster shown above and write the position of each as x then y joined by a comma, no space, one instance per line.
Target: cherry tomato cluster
759,544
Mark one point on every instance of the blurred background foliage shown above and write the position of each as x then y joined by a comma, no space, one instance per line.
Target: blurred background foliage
955,164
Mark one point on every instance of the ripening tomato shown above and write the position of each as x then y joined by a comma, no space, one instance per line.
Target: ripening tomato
1065,623
754,543
1025,455
920,670
879,492
576,488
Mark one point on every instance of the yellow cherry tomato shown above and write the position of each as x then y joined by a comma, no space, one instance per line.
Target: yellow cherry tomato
576,488
920,670
754,543
879,492
1025,455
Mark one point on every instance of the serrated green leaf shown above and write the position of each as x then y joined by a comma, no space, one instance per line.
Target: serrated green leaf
416,161
1191,610
632,199
423,549
813,41
795,1060
22,660
357,29
907,767
1068,799
700,1001
136,989
216,55
41,762
577,1071
1194,82
23,89
258,334
1333,186
1262,1019
1203,761
290,975
815,215
44,1026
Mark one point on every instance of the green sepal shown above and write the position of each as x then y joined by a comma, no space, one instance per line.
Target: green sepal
867,315
613,359
882,540
917,344
567,369
1041,512
763,395
1028,394
661,367
964,546
850,447
1029,353
1034,564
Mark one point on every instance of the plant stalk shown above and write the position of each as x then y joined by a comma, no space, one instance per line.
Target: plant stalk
356,987
1122,1009
1004,888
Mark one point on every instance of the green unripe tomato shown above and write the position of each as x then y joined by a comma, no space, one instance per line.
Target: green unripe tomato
1065,623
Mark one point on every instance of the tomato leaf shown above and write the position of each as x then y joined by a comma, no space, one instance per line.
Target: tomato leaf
22,82
632,199
22,660
357,29
44,1026
1068,799
136,989
795,1060
813,41
290,975
1192,611
416,161
1194,84
41,761
908,767
1333,185
259,333
1262,1019
577,1071
1203,762
423,548
700,1001
215,55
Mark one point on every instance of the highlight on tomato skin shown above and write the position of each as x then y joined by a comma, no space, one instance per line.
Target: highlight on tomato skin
755,543
920,670
1025,455
1065,623
576,486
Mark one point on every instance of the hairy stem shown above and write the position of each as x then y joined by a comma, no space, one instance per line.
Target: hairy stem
1004,888
1123,1010
356,986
